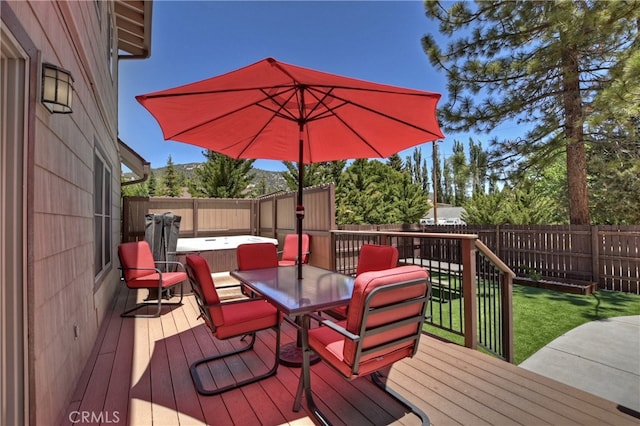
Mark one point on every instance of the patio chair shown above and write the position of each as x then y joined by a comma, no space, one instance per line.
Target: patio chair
227,320
140,270
383,326
289,253
372,258
255,256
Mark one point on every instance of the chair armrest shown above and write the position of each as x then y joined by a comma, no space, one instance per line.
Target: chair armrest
122,268
138,269
171,262
339,329
232,302
223,287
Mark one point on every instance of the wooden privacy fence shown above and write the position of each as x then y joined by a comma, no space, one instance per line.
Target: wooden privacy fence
269,216
608,255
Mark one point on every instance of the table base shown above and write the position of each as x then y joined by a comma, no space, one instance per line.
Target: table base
291,355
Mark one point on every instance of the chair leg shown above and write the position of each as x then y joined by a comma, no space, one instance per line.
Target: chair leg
158,305
198,382
375,377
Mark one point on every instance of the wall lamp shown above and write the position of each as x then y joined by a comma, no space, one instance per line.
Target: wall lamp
57,89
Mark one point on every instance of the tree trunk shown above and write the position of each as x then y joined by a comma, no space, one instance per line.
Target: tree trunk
576,152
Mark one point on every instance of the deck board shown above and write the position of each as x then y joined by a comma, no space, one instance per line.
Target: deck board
139,368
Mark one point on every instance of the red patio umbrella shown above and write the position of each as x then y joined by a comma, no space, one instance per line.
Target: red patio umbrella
272,110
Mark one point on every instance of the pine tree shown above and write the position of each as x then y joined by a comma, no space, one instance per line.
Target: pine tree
419,171
541,64
172,186
152,184
410,201
478,167
460,173
221,177
447,195
438,187
314,173
395,162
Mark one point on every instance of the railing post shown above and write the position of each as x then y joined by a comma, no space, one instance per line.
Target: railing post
469,293
507,316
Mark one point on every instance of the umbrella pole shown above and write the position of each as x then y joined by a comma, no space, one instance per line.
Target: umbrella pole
300,207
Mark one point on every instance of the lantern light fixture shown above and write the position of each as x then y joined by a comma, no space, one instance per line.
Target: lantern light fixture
57,89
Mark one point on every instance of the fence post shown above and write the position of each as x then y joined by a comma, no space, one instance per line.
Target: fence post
194,206
125,220
469,293
595,255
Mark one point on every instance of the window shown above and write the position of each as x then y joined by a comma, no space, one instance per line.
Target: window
102,214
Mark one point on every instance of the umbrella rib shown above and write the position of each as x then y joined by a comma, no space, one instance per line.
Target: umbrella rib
373,111
277,113
288,115
211,120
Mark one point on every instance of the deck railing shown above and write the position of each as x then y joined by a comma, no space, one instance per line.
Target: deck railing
471,295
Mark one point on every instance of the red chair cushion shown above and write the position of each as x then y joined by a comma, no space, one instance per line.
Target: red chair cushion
151,281
376,258
246,317
230,319
257,256
372,258
363,286
202,274
329,345
136,254
290,250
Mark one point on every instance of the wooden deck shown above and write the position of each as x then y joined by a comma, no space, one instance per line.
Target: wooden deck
138,374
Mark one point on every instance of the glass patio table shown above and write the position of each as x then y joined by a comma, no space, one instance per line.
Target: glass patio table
318,290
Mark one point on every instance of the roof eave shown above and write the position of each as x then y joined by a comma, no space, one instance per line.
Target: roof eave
133,22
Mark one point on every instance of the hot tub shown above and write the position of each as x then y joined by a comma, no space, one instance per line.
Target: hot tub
220,252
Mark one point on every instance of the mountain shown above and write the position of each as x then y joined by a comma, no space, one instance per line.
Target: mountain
274,181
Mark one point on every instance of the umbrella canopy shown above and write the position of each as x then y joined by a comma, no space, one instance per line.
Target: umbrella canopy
273,110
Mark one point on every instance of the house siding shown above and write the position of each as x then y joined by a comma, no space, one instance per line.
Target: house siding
66,304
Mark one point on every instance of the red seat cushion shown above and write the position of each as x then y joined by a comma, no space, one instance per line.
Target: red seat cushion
150,281
246,317
136,254
329,345
290,250
230,319
363,286
257,256
376,258
340,351
138,267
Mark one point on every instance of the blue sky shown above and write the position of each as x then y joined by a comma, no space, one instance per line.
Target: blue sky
194,40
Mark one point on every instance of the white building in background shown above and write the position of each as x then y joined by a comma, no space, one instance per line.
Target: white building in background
447,215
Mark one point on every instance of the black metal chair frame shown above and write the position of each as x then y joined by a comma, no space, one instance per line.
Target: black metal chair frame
204,311
158,303
305,377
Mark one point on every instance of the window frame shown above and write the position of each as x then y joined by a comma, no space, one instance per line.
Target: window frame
102,215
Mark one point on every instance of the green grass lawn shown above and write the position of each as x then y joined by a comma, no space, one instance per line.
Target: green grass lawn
540,316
